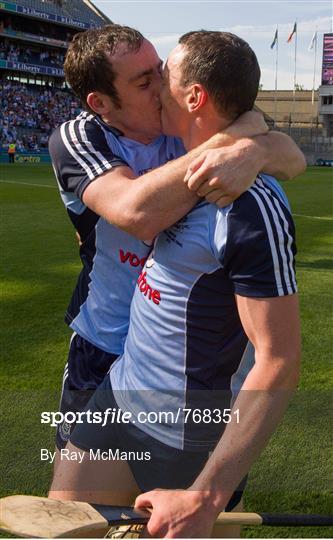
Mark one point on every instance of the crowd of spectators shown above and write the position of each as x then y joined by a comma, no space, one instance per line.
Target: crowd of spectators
13,23
28,115
11,52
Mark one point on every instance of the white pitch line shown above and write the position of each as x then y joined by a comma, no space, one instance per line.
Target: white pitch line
26,184
322,218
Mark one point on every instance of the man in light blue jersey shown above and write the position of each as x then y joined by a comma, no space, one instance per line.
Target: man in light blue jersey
117,75
215,280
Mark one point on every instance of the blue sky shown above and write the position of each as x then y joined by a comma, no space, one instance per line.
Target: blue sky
254,20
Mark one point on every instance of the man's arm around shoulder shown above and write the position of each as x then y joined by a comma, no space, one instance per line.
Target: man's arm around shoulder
220,175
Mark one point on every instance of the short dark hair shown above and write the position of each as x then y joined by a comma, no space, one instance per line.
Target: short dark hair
225,65
87,67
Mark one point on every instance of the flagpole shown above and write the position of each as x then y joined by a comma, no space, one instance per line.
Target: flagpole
294,93
276,74
314,68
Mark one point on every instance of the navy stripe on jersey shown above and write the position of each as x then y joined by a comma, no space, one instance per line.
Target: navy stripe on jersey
259,254
288,229
211,316
75,133
80,294
80,153
215,344
274,234
75,136
280,235
85,224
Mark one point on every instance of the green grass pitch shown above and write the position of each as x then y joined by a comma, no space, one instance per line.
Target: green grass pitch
39,268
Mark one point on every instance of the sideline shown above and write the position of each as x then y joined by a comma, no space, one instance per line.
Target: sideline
323,218
26,184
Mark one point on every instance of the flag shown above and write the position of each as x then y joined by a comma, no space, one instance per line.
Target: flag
275,39
313,41
290,37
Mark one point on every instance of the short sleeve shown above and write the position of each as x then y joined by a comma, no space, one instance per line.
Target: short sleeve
258,247
80,153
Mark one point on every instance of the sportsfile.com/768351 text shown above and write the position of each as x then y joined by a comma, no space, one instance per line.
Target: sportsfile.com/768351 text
117,416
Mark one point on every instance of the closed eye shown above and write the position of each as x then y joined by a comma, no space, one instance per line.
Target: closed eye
145,84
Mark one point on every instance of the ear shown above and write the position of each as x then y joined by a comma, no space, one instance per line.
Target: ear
99,103
197,97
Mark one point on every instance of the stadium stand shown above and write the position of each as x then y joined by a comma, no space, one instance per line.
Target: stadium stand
34,36
73,9
301,120
36,55
29,114
34,98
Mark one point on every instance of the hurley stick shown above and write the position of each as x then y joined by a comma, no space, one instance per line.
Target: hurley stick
39,517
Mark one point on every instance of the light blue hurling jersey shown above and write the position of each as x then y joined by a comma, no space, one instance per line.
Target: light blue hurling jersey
185,340
82,150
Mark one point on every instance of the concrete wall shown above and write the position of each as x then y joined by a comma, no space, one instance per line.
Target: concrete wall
300,112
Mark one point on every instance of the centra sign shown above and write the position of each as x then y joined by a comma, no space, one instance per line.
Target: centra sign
26,159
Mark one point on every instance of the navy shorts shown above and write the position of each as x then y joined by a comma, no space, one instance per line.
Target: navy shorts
153,464
86,368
